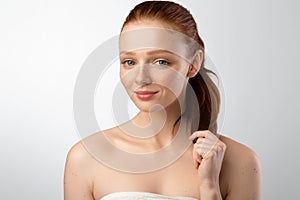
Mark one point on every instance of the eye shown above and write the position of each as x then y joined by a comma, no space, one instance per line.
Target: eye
162,62
129,62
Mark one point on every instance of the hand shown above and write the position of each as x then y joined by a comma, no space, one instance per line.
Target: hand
208,156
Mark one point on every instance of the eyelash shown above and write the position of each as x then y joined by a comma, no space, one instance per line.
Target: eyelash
125,62
167,62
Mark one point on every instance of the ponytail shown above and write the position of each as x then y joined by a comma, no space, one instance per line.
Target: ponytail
207,104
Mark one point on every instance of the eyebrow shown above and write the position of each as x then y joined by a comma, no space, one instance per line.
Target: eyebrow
148,52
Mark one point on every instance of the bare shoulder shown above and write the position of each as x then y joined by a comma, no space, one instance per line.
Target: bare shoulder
78,179
241,171
84,152
78,161
236,151
82,155
78,153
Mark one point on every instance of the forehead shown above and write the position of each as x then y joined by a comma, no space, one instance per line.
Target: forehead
158,38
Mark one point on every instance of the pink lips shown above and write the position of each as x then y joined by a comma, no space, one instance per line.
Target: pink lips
145,95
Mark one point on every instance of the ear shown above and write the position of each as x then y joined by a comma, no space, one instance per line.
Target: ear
196,63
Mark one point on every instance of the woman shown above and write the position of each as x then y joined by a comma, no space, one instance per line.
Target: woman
214,167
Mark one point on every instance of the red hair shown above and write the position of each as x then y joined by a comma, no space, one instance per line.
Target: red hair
181,20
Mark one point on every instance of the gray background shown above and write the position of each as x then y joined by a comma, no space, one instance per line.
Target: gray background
254,45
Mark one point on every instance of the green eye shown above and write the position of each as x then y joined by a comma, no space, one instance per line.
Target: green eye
129,62
162,62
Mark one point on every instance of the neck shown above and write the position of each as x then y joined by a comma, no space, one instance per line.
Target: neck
161,124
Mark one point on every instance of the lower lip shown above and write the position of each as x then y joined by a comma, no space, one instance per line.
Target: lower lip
145,96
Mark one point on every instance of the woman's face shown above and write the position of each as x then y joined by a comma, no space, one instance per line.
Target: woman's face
153,75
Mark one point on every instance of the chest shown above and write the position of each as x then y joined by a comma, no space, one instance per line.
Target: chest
176,179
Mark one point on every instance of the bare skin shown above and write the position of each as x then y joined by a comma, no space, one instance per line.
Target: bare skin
86,178
230,171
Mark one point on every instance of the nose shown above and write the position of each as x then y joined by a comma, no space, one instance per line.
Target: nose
142,75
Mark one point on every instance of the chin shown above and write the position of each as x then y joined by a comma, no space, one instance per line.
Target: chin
148,106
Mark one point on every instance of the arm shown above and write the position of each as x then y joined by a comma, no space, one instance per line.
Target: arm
210,191
246,181
242,171
244,184
208,157
77,178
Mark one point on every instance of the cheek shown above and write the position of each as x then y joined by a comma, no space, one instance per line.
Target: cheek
172,80
127,79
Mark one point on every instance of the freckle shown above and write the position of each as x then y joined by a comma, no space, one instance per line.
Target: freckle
74,174
254,169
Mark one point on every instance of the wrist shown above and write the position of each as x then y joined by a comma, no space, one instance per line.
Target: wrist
209,185
210,191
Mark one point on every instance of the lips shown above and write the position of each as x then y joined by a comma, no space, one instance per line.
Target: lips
145,95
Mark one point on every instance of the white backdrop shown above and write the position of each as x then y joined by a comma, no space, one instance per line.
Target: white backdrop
254,45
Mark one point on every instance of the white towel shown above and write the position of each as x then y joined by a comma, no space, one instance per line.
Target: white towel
141,196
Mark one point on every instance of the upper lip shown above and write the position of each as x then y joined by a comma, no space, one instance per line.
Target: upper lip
145,92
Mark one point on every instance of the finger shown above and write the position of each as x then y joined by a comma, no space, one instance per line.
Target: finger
196,164
212,136
199,140
201,153
198,134
218,149
205,134
199,158
212,149
206,142
203,147
221,145
195,159
207,150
